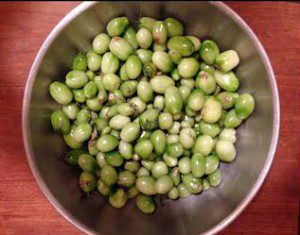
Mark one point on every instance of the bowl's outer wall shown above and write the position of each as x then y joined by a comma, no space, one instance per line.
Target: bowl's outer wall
193,215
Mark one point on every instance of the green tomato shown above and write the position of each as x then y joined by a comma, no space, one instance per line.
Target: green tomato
211,164
205,185
196,42
60,122
188,67
144,91
130,132
175,56
244,106
146,185
146,22
160,83
90,90
174,27
118,122
165,121
126,150
145,203
172,139
145,55
228,134
117,26
110,63
174,150
79,62
204,144
82,132
159,32
103,189
209,50
71,110
143,148
175,129
231,119
126,109
87,163
128,88
225,151
181,44
170,161
184,190
93,60
101,43
188,82
175,176
100,158
184,165
215,178
70,140
133,192
193,184
91,75
173,193
208,68
198,165
83,116
144,38
111,82
173,100
160,47
196,100
118,198
120,48
143,172
113,159
227,81
87,182
205,82
162,61
159,142
212,110
116,97
149,69
126,179
185,93
159,168
107,143
159,102
148,164
131,37
163,184
108,175
187,138
211,129
149,119
61,93
227,99
138,105
227,61
133,67
79,96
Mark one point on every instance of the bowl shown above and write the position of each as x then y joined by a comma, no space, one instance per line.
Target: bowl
207,213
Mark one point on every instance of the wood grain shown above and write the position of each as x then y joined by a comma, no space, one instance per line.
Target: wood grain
23,207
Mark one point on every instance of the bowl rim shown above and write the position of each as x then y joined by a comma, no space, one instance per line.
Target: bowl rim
28,94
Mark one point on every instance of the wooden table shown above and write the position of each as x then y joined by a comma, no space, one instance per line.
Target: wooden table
23,207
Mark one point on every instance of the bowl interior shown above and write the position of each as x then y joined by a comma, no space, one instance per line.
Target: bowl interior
193,215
